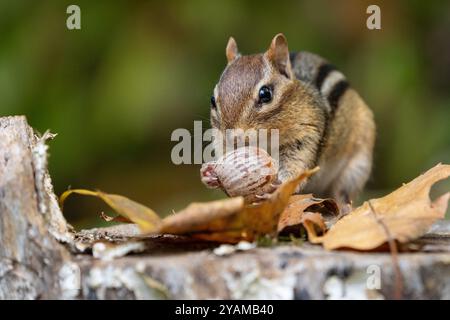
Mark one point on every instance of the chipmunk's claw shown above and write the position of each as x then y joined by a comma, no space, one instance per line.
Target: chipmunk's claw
208,176
264,196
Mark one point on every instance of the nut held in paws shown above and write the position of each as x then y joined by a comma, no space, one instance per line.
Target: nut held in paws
248,171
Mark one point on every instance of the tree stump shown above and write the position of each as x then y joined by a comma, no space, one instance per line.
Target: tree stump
42,258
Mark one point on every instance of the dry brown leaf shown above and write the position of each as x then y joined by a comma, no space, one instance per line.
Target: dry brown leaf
211,216
227,220
407,213
292,216
263,218
314,225
146,218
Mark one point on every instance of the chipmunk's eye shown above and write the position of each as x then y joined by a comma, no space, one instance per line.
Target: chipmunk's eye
213,102
265,94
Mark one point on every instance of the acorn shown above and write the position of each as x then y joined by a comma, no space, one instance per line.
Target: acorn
248,171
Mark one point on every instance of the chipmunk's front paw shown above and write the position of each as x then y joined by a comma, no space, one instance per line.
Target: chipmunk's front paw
268,191
208,175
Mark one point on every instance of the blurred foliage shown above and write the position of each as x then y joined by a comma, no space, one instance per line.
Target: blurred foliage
115,90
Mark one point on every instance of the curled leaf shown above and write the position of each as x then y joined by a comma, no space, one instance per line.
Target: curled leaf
228,220
293,215
407,213
211,216
314,225
147,220
263,217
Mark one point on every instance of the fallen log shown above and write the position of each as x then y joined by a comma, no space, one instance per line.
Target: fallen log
41,257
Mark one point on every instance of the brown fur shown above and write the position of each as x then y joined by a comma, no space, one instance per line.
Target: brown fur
338,138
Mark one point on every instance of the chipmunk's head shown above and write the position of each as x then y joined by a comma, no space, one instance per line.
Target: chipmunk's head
254,90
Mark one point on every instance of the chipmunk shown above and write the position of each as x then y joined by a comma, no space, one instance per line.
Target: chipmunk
322,121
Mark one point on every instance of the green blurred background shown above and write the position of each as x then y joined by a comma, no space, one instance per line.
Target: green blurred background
116,89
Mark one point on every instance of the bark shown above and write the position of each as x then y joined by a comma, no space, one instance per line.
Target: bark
31,257
42,258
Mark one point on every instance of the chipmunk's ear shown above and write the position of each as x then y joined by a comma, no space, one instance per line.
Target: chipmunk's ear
232,50
278,55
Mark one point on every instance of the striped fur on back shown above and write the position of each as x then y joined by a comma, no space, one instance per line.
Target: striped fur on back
323,76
